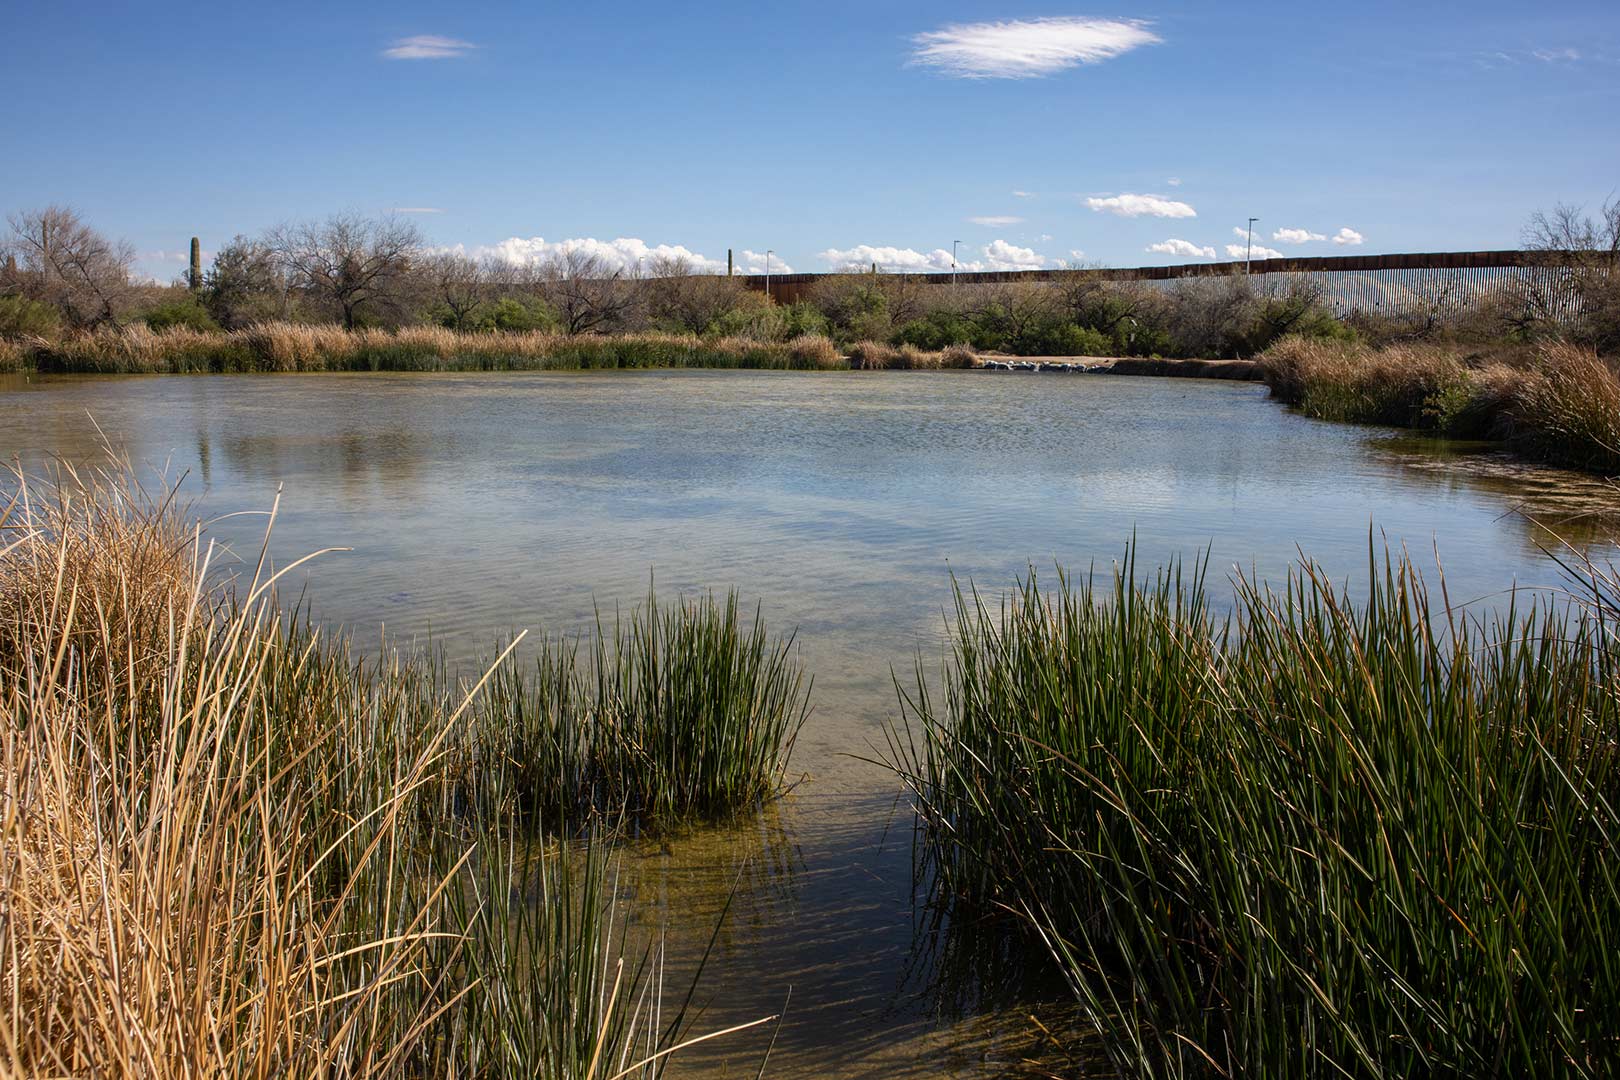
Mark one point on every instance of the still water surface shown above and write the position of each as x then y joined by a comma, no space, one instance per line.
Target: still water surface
479,504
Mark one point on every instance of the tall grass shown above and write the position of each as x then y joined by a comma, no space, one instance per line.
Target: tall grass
679,712
227,848
880,356
1561,406
1319,838
283,347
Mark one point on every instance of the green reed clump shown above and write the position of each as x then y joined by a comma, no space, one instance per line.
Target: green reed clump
682,711
1318,838
697,712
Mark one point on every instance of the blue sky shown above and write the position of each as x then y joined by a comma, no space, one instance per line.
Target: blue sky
830,132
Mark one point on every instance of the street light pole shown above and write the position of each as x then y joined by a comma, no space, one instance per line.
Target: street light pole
1248,250
953,260
768,255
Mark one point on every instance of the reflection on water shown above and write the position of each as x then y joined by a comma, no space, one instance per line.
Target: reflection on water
478,504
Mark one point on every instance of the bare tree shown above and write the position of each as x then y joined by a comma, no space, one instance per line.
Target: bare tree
1575,288
1566,234
457,284
586,293
1013,310
348,261
677,296
244,285
62,261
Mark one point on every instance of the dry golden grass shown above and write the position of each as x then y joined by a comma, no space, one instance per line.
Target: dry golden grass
873,356
13,356
1568,408
226,849
1561,405
284,347
815,351
158,916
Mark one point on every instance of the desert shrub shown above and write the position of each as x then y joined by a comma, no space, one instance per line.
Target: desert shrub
800,318
938,329
510,314
187,312
22,317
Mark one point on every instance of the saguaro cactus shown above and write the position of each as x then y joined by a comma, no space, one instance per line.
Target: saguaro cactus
728,262
196,264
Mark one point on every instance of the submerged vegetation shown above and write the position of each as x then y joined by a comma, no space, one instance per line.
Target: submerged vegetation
228,848
1560,404
1375,838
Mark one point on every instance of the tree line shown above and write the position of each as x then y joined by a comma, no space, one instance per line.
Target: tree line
59,275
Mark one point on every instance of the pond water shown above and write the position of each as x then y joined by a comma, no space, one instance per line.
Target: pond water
478,504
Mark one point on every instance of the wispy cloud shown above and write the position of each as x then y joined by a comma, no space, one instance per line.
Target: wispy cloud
995,220
1556,56
1174,181
427,47
1259,251
415,210
1296,236
1023,194
1347,237
1142,206
1184,248
1027,48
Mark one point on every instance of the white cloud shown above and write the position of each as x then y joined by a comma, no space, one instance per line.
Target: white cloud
890,258
1140,205
1076,254
1174,181
1556,56
1296,236
1027,48
996,255
1044,238
415,210
1000,255
1347,236
1259,251
995,220
1184,248
1023,194
753,262
621,254
427,47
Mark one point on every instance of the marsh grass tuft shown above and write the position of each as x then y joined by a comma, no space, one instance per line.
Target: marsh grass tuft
1375,838
229,848
299,347
1561,405
678,712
